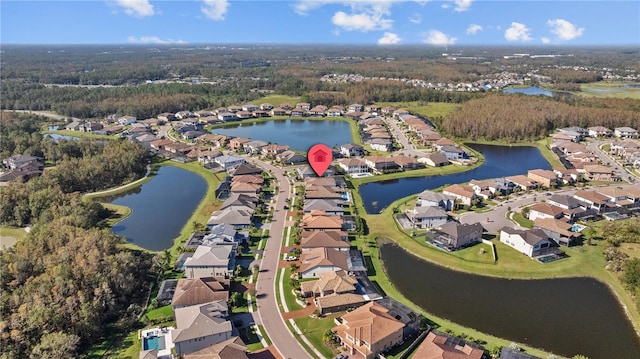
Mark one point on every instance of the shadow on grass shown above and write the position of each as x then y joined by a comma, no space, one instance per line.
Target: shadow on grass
379,288
371,270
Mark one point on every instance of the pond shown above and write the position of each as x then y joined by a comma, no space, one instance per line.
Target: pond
531,90
299,135
500,161
160,207
565,316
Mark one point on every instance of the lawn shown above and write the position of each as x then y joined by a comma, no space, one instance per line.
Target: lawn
608,89
314,328
250,338
160,313
10,235
289,296
521,220
277,100
481,253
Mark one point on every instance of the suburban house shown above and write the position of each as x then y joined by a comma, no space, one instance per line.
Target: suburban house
126,120
19,161
625,132
200,326
319,221
380,163
511,353
523,182
599,131
545,210
380,144
290,158
622,197
465,194
318,260
594,200
232,348
485,189
368,331
531,242
254,147
453,152
273,150
427,217
406,162
323,192
278,111
560,231
353,165
329,283
237,143
227,161
546,178
443,346
244,169
216,261
328,206
599,173
306,171
428,198
351,150
319,239
239,218
193,291
436,159
453,235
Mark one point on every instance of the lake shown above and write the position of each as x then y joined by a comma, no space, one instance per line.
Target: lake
299,135
531,90
566,316
160,207
500,161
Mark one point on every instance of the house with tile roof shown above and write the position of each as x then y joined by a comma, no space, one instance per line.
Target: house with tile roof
319,221
443,346
368,331
546,178
558,230
329,206
200,326
193,291
318,260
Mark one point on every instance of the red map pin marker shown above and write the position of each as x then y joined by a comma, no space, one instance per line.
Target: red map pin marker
319,157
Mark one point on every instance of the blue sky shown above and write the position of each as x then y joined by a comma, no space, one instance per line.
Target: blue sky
439,23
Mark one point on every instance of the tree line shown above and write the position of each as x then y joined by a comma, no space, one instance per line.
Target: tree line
520,117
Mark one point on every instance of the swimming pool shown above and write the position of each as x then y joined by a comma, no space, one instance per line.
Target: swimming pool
577,227
153,342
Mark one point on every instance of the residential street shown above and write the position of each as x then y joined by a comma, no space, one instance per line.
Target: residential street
408,148
595,147
268,313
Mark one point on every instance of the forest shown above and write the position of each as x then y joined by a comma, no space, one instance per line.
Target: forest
70,279
512,118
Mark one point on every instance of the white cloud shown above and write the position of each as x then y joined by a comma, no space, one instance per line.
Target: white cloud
517,32
215,9
439,38
415,18
389,38
473,29
545,40
137,8
564,30
153,40
361,22
445,5
462,5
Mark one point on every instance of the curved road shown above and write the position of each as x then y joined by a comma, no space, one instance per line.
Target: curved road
268,312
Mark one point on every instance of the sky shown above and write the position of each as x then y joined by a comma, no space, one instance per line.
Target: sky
367,22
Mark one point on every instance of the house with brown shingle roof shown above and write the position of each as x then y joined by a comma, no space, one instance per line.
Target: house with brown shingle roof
338,282
406,162
465,194
546,178
443,346
238,142
559,231
324,239
545,210
595,200
232,348
322,192
192,291
368,331
523,182
454,235
319,221
599,173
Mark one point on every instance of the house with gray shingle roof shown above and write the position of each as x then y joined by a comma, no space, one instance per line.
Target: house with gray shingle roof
215,261
200,326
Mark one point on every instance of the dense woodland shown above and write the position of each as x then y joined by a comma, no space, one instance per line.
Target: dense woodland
516,117
69,280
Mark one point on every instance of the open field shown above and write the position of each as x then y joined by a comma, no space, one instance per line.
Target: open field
609,89
277,100
428,110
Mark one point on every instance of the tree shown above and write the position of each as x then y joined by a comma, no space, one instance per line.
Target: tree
328,336
57,345
234,299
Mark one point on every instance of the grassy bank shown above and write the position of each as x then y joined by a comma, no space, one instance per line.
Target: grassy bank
583,261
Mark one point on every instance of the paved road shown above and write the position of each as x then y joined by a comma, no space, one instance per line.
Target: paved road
409,148
496,219
595,147
268,312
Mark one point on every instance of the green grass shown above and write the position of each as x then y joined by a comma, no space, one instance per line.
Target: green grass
314,328
160,312
81,134
480,252
304,345
289,296
521,221
250,337
428,110
277,100
118,213
19,233
608,89
265,335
